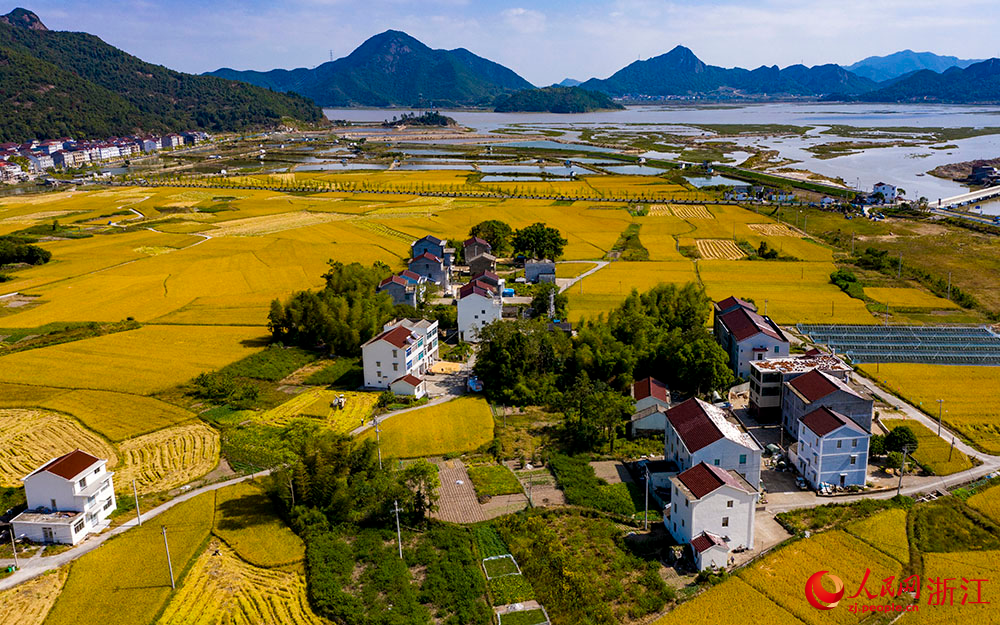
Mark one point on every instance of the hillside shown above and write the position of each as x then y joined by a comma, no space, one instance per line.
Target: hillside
882,68
681,73
555,100
393,69
74,84
977,84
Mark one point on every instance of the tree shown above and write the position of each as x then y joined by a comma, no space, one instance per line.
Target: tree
546,294
538,241
495,232
876,445
901,437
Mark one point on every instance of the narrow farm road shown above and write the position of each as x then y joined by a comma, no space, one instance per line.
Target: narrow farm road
34,567
601,264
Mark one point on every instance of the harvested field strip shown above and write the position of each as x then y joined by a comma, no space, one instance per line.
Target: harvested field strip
659,210
246,520
269,224
117,415
692,211
384,230
170,457
223,589
30,438
317,403
719,249
29,603
774,230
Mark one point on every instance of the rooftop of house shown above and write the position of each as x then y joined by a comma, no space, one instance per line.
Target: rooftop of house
398,336
486,276
477,284
703,479
732,302
816,385
650,387
744,323
801,363
473,289
48,517
706,540
700,424
410,379
430,238
476,241
648,410
393,280
425,256
68,466
484,256
420,325
822,421
409,275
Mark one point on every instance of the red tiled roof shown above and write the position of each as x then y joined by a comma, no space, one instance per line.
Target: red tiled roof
473,240
406,273
396,336
488,277
393,280
693,424
707,540
743,324
731,302
814,385
822,421
426,255
465,289
71,464
650,387
475,290
410,379
702,479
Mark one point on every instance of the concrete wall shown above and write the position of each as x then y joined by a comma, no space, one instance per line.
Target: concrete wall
474,312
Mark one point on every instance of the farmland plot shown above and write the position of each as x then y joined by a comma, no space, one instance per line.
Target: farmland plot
116,415
773,230
719,249
605,289
317,403
691,211
716,606
458,425
246,520
30,438
169,457
987,502
958,567
908,297
30,602
886,531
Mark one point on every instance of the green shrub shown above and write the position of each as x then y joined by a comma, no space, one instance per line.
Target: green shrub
582,487
510,589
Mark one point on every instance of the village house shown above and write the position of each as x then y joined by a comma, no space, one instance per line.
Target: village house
768,377
650,392
409,385
431,268
818,389
888,191
434,246
481,263
474,246
652,399
747,336
479,304
68,497
536,271
402,291
831,449
697,431
711,509
405,347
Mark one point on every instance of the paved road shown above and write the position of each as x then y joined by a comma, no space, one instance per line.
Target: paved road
601,264
34,567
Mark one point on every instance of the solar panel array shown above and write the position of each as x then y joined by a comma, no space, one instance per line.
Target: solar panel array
944,345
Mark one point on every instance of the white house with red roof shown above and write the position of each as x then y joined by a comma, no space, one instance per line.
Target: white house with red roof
831,449
410,385
68,498
479,304
711,509
431,268
652,399
817,389
697,432
405,347
747,336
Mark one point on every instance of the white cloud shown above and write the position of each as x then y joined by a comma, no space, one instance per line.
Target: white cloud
524,21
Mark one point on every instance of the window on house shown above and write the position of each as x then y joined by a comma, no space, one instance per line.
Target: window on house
725,521
395,353
839,444
854,443
83,483
54,506
378,363
395,366
729,504
716,462
686,503
775,349
743,458
378,374
78,527
107,504
97,470
854,459
682,522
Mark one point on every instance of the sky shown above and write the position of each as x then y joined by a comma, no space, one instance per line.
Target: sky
542,41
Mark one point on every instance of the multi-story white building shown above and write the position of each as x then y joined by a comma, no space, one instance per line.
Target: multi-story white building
832,449
479,304
697,432
713,510
68,498
747,336
405,347
888,191
768,377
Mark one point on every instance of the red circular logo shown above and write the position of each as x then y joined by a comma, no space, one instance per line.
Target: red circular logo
821,598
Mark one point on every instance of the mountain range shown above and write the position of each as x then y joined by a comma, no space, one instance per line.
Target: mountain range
56,84
393,69
882,68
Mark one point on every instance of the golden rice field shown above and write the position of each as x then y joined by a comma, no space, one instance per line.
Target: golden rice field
572,270
659,210
907,297
270,224
141,361
719,249
131,570
886,531
774,230
459,425
966,409
315,403
169,457
605,289
30,438
691,211
246,521
987,502
30,602
659,237
795,292
222,589
782,575
115,415
716,606
932,451
984,565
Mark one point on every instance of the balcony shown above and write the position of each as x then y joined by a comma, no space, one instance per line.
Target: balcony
94,487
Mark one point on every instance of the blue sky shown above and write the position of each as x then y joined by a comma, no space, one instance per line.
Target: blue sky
542,41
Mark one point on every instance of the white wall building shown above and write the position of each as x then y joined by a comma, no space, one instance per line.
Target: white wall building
832,449
478,305
406,347
697,432
768,377
888,191
747,336
68,498
709,507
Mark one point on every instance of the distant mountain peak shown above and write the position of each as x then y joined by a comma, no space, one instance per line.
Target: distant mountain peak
23,18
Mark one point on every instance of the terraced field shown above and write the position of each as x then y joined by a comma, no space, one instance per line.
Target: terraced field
30,438
168,458
30,602
719,249
223,589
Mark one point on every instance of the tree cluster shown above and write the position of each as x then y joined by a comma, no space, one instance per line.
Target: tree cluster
538,241
15,250
495,232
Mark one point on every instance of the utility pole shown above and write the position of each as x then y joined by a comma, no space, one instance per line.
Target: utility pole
949,285
378,441
135,495
852,244
902,465
950,451
399,535
940,405
645,514
170,567
13,546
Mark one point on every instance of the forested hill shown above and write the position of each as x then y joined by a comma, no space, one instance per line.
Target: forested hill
976,84
555,100
393,69
55,84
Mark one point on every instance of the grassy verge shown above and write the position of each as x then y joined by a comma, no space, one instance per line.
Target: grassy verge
493,480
